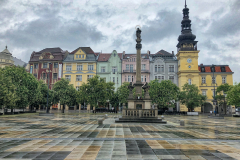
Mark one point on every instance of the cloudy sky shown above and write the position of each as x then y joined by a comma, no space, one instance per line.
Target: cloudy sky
103,25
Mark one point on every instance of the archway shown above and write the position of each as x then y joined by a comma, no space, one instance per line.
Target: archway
207,107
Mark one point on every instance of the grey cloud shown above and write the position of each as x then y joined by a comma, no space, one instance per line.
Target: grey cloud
232,44
166,24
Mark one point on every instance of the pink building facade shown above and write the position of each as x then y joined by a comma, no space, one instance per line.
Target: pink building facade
129,68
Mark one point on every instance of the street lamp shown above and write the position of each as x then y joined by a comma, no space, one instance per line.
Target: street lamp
214,100
48,77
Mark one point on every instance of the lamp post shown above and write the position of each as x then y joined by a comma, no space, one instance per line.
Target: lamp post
48,77
214,100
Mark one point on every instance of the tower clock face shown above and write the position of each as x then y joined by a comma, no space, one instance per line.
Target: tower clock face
189,60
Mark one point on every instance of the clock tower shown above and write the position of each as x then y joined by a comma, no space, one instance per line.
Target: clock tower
187,56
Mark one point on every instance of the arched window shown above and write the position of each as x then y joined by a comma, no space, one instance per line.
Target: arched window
189,81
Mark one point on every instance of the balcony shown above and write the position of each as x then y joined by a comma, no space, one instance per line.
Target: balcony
134,71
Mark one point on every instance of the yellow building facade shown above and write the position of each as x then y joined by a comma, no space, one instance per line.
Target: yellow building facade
79,66
205,77
6,58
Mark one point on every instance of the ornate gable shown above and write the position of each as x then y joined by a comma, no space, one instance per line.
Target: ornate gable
46,55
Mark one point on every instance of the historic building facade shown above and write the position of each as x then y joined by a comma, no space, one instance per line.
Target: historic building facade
129,67
6,58
47,61
190,72
79,66
109,67
163,66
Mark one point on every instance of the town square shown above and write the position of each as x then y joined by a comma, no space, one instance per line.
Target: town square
68,93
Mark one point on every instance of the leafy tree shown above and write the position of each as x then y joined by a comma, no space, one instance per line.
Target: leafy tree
8,95
191,97
233,95
25,83
220,97
164,94
82,94
115,100
123,92
64,93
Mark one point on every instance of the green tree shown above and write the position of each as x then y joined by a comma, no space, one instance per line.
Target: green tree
220,95
65,93
123,92
164,94
82,94
8,96
115,100
233,95
191,97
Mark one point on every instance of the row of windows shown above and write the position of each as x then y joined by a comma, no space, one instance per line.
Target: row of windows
130,78
213,80
223,69
78,77
79,67
143,67
204,92
79,56
160,78
114,69
160,68
44,75
45,65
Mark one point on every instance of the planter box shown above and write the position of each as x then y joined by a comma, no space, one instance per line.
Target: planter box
192,113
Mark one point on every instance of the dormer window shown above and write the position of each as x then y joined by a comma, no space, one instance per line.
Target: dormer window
223,69
203,69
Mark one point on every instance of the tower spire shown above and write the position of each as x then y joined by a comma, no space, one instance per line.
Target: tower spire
185,3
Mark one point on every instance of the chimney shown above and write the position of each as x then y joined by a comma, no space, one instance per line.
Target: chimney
148,52
201,64
172,52
123,52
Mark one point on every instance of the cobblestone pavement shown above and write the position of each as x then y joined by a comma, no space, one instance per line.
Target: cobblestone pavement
76,136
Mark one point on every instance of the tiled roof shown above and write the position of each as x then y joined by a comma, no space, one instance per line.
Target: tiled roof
217,68
103,57
120,55
89,57
87,50
164,53
57,53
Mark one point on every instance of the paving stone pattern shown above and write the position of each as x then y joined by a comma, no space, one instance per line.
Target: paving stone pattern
80,137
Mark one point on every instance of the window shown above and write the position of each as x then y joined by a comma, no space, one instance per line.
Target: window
131,67
79,67
213,80
160,78
145,78
158,68
114,69
54,75
102,69
36,66
69,67
189,81
134,59
223,80
171,68
77,88
127,66
203,80
129,78
162,68
77,56
125,78
132,78
35,75
90,67
171,78
223,69
44,75
44,65
204,93
155,68
89,76
213,93
56,65
82,56
68,77
79,78
142,78
143,67
113,79
156,77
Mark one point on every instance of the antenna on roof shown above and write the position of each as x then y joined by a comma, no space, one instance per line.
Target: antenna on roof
185,3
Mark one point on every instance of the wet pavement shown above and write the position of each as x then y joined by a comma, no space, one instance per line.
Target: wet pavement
74,136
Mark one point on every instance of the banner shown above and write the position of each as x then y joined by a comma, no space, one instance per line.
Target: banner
31,69
60,71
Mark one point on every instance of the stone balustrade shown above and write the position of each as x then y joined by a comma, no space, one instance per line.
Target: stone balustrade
139,113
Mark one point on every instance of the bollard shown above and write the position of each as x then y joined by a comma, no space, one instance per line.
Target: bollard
100,121
182,123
